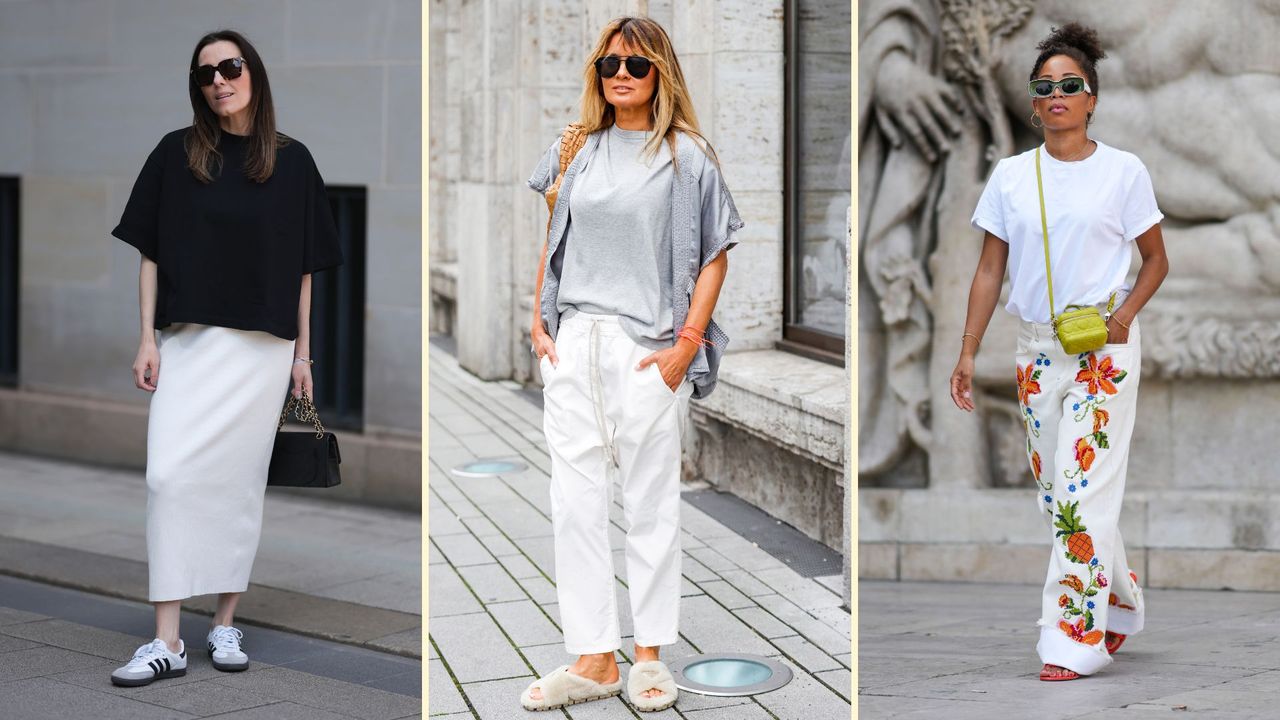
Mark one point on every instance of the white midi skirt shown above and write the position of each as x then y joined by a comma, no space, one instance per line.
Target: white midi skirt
209,438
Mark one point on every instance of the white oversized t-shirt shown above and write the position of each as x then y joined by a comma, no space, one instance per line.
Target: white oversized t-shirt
1095,208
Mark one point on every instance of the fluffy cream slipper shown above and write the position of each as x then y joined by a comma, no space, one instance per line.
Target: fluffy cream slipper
651,675
561,687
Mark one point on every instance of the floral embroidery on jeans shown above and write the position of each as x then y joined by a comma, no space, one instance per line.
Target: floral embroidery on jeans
1079,550
1028,385
1100,376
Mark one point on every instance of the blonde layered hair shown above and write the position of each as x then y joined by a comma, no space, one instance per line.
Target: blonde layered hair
671,108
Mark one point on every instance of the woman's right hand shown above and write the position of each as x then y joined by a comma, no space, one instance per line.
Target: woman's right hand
146,367
962,383
543,345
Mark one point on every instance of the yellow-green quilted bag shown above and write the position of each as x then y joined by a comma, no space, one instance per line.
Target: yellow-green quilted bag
1080,328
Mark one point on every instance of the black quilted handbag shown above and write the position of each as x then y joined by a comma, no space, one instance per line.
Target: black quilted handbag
304,459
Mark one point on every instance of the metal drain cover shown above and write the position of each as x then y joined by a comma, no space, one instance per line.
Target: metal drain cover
491,467
729,674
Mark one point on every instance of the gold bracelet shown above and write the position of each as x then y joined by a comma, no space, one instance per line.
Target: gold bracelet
1126,327
975,337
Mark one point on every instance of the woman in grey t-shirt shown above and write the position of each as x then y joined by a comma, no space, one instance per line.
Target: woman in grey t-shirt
628,278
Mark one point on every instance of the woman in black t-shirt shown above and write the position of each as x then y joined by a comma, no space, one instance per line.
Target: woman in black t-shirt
231,219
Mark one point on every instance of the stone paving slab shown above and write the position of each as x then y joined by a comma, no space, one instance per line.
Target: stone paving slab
476,648
42,698
493,609
65,673
960,650
283,711
344,572
92,635
352,700
444,697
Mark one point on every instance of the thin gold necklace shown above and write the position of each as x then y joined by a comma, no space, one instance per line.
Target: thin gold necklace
1088,145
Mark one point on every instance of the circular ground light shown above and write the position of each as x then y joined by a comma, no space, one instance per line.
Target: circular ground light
729,674
489,468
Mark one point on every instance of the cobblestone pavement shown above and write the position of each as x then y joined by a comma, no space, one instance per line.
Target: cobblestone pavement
961,651
58,648
493,619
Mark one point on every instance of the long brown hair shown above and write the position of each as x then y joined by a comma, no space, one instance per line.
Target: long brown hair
202,139
671,108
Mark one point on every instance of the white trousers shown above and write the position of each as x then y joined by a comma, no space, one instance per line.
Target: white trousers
604,420
209,437
1079,413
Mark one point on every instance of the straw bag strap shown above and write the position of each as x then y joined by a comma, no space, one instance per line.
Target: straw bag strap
571,141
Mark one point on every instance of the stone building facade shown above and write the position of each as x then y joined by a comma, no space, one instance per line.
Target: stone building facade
87,90
506,78
947,495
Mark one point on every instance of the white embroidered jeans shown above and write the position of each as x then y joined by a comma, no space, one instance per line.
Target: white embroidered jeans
1079,412
606,421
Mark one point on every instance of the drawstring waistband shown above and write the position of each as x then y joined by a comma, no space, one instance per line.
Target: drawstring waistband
597,394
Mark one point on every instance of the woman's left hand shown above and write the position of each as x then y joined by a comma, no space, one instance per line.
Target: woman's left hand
1116,333
302,381
672,362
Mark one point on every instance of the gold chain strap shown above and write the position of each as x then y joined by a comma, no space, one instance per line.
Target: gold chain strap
304,410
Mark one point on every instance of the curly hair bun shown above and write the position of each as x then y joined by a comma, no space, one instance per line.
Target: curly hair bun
1074,35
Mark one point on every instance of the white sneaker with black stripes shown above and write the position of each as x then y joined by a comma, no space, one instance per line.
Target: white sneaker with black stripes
152,661
224,649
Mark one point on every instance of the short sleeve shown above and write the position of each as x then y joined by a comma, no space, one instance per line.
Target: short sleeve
720,220
989,215
548,167
321,248
1140,209
139,225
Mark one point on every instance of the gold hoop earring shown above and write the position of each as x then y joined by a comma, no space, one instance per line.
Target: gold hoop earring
1034,117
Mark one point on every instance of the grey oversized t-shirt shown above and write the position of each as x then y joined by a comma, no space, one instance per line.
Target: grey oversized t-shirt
617,257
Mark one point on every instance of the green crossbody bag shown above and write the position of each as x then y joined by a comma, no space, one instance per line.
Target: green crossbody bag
1080,328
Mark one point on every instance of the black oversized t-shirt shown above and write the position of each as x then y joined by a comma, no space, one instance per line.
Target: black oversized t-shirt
231,252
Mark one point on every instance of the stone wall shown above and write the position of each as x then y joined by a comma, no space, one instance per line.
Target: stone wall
507,79
89,88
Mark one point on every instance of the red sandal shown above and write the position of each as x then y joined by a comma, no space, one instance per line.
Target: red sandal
1059,677
1114,641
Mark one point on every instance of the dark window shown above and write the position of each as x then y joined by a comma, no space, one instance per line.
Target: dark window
9,225
816,176
337,317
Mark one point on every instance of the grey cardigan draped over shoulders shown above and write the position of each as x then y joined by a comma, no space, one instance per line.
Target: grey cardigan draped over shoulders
703,223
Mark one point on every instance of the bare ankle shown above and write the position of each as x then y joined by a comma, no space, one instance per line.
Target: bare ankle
596,664
646,654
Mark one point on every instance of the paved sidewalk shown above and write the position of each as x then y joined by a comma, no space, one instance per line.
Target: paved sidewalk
961,651
493,618
59,646
332,570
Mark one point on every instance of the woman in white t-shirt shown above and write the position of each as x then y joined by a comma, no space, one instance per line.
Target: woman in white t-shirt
1078,410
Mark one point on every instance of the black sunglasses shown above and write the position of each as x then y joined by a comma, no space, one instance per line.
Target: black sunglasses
229,68
637,67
